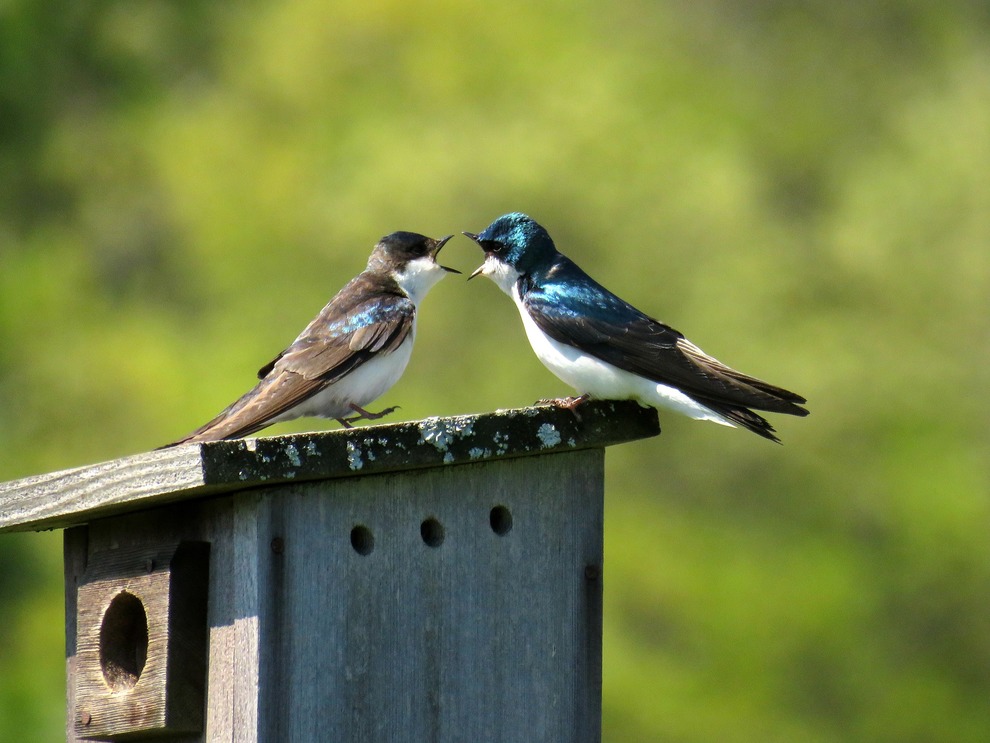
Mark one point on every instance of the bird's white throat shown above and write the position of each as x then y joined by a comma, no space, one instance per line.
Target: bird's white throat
418,277
504,275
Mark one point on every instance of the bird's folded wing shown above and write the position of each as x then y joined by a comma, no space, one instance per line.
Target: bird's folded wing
602,325
328,351
322,355
337,342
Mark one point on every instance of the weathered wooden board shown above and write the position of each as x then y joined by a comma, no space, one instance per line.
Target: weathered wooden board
445,604
142,481
141,641
446,630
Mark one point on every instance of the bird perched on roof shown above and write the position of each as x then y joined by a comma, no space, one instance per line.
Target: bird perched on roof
605,348
350,354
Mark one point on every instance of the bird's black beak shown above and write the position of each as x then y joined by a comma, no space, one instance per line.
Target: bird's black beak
436,250
480,268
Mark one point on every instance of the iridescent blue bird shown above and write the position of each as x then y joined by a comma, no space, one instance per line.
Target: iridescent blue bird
605,348
352,353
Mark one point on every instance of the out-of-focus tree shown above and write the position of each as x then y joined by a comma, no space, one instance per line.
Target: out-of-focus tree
801,188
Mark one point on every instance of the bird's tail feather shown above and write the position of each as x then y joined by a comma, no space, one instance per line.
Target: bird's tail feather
738,390
744,417
232,422
779,400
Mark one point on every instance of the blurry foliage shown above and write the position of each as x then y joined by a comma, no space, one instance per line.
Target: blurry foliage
800,187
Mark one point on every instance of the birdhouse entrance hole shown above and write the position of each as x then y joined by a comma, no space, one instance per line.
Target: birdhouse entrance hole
123,641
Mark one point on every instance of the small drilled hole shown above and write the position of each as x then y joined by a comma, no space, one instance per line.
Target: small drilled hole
123,641
432,532
362,540
501,520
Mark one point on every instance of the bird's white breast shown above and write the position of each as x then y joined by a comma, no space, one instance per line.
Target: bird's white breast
365,384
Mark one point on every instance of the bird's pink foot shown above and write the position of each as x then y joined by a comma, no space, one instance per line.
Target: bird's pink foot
363,414
567,403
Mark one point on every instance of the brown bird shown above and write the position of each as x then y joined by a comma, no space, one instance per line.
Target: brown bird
350,354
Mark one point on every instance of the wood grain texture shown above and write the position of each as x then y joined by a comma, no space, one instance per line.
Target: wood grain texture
485,636
140,631
75,552
231,618
142,481
493,634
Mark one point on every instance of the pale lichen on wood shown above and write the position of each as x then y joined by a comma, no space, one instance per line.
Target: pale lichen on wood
76,496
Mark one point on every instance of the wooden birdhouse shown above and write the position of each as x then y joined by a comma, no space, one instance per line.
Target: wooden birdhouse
438,580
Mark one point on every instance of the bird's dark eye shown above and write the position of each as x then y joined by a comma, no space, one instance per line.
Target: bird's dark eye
493,246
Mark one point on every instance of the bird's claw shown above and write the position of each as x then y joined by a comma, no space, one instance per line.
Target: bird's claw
566,403
363,414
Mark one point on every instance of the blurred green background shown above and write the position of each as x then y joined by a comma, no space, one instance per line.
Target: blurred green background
802,188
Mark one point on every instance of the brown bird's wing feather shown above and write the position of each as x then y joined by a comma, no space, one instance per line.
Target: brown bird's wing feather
343,336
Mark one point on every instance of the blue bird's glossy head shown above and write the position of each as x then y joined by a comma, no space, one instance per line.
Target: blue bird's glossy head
514,245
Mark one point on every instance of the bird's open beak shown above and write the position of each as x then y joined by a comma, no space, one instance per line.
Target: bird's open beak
436,250
480,268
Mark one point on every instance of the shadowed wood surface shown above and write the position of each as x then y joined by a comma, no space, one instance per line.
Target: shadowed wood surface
76,496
